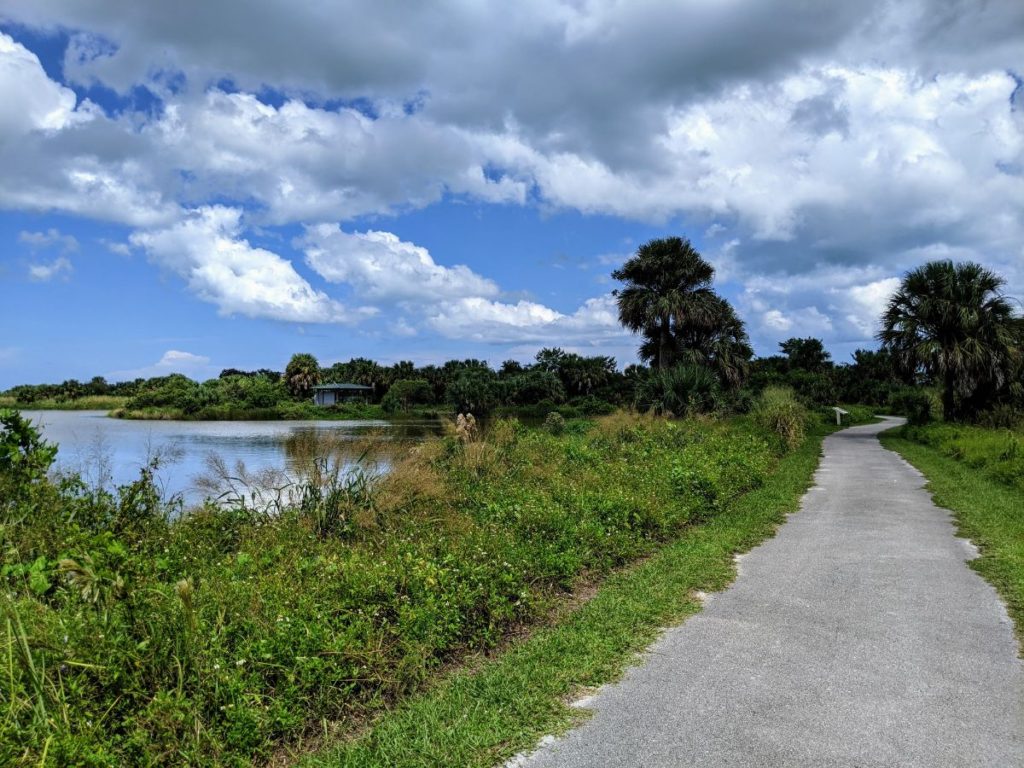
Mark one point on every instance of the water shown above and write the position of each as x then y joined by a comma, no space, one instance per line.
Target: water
111,452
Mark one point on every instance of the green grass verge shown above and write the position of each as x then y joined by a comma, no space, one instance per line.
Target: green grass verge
998,454
487,712
987,511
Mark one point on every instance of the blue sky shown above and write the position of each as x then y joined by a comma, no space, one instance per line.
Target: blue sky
186,191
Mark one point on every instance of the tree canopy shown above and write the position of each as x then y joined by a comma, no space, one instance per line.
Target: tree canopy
668,299
953,322
301,375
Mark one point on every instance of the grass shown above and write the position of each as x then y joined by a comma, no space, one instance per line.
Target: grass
87,403
288,411
969,474
997,454
488,712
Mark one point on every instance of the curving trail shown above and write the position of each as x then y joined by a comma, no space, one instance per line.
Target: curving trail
857,636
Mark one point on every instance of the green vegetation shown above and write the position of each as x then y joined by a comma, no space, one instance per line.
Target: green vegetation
778,412
301,375
948,329
288,410
668,299
83,403
951,322
487,712
996,455
979,475
559,381
135,633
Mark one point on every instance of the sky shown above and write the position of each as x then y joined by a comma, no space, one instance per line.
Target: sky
186,188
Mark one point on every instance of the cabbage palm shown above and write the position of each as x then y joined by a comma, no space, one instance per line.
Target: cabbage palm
668,284
669,300
953,322
301,375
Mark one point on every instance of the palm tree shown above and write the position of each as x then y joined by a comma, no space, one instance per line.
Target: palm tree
582,375
669,300
720,342
953,322
301,375
668,284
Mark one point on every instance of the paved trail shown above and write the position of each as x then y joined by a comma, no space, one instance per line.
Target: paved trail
857,636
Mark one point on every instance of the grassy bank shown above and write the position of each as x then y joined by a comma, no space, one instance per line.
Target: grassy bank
288,411
360,411
231,634
488,712
975,473
87,403
996,454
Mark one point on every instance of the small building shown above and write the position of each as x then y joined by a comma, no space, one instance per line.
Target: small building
332,394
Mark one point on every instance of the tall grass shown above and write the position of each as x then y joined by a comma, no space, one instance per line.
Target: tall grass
779,413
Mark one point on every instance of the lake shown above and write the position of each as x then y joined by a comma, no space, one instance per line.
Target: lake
111,452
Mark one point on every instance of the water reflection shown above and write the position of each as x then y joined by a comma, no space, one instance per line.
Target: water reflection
193,455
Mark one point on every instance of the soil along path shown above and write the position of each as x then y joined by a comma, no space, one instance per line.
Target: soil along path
858,636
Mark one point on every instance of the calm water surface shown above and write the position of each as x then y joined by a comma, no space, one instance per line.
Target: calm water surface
111,452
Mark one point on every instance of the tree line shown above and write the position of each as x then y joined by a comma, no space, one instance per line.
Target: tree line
948,329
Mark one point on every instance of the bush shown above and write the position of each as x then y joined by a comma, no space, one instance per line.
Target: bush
25,457
554,423
680,391
406,393
474,391
1002,416
779,412
915,404
534,387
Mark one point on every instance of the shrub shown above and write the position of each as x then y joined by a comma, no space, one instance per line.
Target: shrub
679,391
533,387
554,423
779,412
474,391
1002,416
915,404
406,393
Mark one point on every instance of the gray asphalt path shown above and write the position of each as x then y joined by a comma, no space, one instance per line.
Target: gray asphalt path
857,636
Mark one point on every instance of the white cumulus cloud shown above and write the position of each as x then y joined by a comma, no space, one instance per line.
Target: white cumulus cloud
221,267
33,102
383,267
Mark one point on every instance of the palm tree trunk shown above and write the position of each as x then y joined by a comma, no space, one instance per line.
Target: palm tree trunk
663,341
948,398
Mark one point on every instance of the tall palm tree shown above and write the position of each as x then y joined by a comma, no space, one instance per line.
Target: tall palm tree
668,284
669,300
953,322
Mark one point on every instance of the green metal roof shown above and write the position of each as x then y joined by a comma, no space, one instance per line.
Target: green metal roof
359,387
